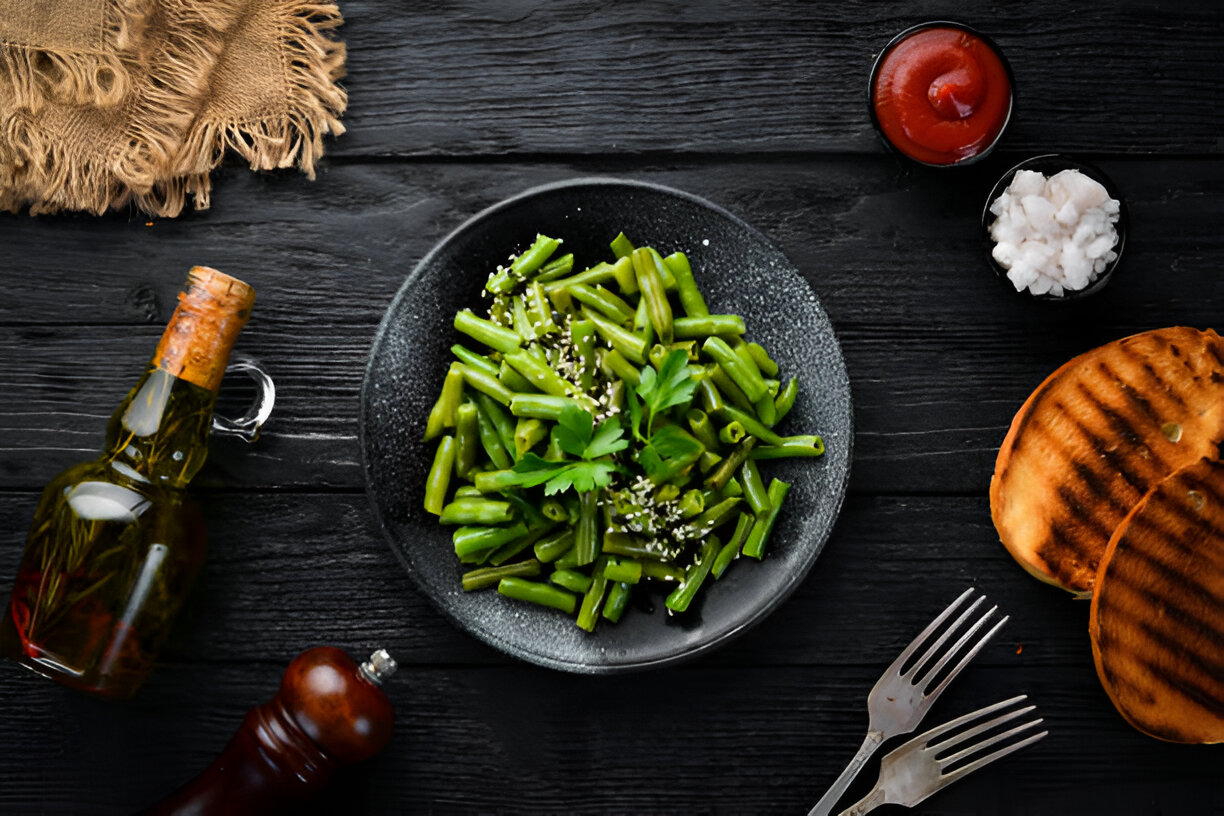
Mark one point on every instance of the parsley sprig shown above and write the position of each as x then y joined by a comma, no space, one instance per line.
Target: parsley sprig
577,435
673,385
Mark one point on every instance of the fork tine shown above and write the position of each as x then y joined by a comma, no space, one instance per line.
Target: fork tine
931,628
950,725
947,779
936,647
972,653
986,743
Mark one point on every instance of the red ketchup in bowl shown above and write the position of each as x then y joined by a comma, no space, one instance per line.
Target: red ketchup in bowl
941,94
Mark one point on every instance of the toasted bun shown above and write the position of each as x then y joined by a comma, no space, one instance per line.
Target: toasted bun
1157,619
1095,437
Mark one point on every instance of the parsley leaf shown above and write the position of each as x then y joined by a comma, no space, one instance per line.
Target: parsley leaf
668,444
672,385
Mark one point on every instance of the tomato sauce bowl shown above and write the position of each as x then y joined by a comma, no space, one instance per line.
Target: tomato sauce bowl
941,94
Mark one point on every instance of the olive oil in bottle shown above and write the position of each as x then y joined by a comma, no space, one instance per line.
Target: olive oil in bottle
115,543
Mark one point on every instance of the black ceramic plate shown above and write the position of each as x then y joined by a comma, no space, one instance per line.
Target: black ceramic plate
740,271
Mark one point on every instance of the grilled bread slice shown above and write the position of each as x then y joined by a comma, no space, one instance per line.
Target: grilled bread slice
1095,437
1157,619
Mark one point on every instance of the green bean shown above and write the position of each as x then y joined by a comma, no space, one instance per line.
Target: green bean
468,491
442,415
568,560
661,571
486,331
691,503
695,328
560,297
625,572
556,268
471,540
539,375
511,549
600,273
686,288
727,387
733,488
621,246
438,481
553,510
731,549
521,322
509,377
586,542
708,461
572,580
600,298
752,425
641,324
699,424
527,434
626,342
539,311
747,378
476,511
554,545
495,481
488,576
617,601
711,399
764,362
541,406
786,399
485,384
727,468
474,360
501,421
535,592
491,441
614,364
631,546
791,446
731,433
754,488
682,596
741,351
772,387
524,265
626,281
588,613
755,545
649,268
766,411
714,517
657,354
582,333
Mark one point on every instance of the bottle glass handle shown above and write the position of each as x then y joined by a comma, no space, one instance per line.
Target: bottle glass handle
246,427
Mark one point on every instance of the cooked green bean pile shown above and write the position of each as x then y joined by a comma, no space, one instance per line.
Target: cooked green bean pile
605,434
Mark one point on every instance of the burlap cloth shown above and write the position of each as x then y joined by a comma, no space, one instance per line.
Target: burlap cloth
106,103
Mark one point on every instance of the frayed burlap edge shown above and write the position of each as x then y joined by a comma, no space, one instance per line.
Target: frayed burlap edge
172,151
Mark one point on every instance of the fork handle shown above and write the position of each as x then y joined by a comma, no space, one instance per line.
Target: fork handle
825,806
868,803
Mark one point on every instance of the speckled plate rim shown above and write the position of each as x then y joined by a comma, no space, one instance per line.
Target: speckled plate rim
492,636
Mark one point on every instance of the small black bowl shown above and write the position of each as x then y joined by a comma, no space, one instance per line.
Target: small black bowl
875,70
1048,165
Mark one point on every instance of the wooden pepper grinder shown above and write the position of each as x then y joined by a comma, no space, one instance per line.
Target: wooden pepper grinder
329,712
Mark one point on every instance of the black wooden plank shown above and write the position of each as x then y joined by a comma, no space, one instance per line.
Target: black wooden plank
285,571
470,78
520,740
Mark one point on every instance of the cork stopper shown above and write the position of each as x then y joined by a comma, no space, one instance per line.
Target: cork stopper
213,307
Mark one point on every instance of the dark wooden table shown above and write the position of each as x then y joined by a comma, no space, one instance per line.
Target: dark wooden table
760,107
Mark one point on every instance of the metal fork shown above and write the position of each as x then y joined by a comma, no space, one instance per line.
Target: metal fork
900,699
914,771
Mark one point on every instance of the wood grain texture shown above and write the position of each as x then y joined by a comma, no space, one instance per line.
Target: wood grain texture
760,107
522,77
